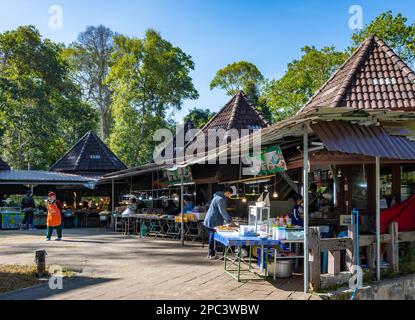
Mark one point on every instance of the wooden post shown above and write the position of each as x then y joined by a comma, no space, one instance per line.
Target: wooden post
315,257
350,256
334,262
371,256
40,257
392,248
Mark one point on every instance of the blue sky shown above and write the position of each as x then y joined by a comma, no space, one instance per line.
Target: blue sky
269,33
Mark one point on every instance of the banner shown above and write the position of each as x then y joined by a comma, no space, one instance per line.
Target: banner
174,177
272,161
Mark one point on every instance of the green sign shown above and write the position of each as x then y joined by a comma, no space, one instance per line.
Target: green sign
272,161
174,176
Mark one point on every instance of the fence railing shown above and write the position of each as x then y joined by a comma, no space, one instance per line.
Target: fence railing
334,247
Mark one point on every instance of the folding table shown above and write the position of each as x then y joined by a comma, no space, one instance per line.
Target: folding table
233,239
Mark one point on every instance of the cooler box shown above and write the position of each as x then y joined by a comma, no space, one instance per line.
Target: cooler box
11,219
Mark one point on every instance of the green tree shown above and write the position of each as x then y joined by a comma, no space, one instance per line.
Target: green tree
394,30
237,76
255,95
303,78
199,117
148,77
41,109
90,57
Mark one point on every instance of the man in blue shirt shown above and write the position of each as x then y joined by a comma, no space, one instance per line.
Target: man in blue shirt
216,216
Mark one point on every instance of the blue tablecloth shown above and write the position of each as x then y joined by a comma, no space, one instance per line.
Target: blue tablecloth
232,239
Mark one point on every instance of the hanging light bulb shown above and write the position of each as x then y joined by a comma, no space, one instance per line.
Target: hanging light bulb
244,200
275,195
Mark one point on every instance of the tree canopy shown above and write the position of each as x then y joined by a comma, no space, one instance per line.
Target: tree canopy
199,117
394,30
287,95
148,76
89,58
236,76
42,112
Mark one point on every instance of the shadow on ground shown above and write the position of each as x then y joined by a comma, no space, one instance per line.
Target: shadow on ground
44,292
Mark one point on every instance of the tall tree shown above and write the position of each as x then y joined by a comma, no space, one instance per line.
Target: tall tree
395,30
90,60
199,117
148,76
237,76
287,95
41,109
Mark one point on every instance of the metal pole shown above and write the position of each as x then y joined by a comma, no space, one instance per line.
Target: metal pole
378,218
305,197
112,197
113,217
182,206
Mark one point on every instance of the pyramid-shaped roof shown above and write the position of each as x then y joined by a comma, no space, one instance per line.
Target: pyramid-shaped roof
374,77
4,165
238,114
89,156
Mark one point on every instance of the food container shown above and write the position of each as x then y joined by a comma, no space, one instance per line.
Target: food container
294,234
282,269
279,233
247,231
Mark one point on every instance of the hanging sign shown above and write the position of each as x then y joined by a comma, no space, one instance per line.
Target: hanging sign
272,161
174,176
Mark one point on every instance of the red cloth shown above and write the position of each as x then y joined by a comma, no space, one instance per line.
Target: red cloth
403,214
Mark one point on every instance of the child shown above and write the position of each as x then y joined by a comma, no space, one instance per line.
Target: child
54,220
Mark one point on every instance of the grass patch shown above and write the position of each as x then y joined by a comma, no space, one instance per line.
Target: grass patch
14,277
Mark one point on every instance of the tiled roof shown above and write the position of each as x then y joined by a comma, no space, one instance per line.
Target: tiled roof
374,77
89,155
4,165
238,114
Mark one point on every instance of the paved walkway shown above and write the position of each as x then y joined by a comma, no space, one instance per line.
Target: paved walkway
113,266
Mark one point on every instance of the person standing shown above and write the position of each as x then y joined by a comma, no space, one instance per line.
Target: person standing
54,219
28,207
216,216
297,212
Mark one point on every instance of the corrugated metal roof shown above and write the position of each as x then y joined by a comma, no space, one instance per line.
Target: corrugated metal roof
42,177
365,140
139,171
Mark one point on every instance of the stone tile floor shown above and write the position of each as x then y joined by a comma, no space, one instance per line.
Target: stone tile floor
113,266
